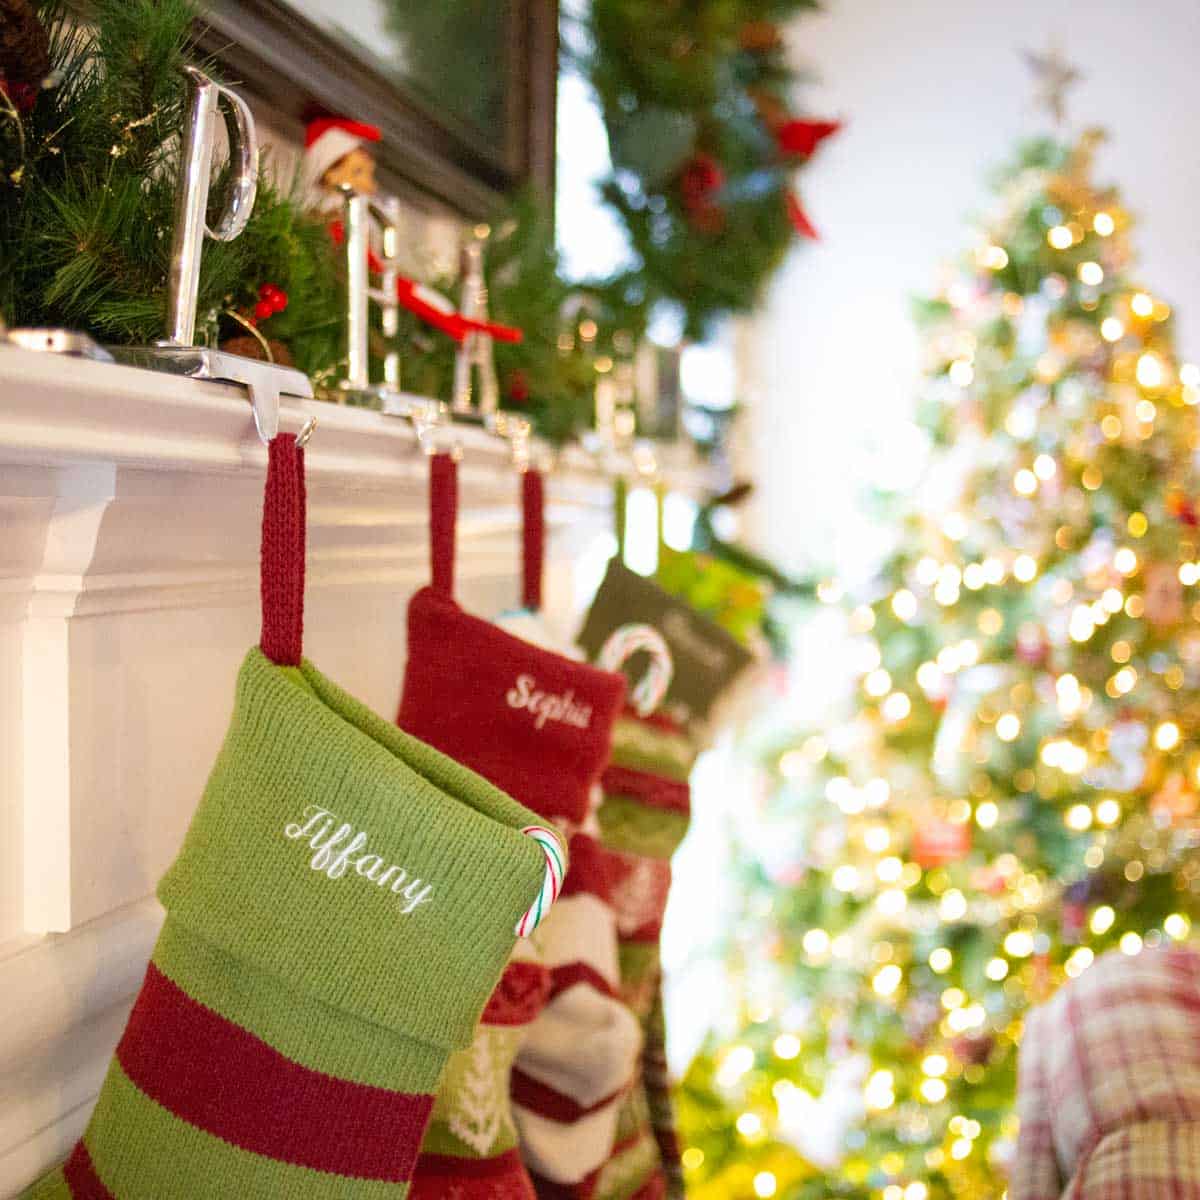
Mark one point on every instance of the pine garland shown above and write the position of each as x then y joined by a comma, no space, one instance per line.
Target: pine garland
91,166
91,198
695,96
696,99
288,248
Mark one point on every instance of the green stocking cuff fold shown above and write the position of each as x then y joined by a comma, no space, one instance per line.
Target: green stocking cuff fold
353,861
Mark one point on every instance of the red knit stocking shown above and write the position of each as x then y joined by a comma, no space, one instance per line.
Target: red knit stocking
539,726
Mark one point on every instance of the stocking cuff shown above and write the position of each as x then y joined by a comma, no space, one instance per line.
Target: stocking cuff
352,861
536,723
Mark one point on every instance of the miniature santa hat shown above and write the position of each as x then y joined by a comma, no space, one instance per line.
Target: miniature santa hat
329,139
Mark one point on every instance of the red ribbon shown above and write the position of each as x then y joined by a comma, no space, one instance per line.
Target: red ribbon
799,138
422,302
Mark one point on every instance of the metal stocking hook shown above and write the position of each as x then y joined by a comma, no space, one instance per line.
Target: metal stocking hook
435,435
517,431
476,352
306,431
243,140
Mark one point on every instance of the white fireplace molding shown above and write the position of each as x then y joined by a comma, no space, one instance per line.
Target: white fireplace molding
129,509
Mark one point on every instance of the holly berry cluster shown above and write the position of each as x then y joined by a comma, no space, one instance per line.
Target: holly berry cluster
700,182
271,300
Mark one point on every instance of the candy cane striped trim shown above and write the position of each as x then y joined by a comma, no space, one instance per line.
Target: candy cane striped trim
622,645
556,870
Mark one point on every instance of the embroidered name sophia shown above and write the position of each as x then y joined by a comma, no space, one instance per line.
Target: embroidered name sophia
340,848
548,706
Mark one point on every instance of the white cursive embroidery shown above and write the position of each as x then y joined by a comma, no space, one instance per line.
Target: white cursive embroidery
337,846
548,706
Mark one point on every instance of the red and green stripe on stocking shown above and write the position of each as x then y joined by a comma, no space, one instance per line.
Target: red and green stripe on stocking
643,817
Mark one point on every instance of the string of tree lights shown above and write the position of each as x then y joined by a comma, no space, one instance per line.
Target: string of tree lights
1016,787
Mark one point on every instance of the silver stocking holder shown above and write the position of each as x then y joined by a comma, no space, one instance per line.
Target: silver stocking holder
175,354
265,381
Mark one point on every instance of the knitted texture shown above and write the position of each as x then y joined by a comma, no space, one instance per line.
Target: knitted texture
284,535
535,723
579,1056
533,538
1109,1083
340,911
443,521
538,725
643,817
470,1147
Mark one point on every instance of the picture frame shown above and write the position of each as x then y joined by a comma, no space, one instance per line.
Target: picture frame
293,57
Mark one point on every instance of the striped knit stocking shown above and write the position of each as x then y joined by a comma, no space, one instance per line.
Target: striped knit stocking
643,817
579,1057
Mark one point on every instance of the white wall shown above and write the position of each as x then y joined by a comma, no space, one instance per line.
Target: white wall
934,92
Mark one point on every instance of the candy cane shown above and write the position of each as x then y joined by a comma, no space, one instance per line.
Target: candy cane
622,645
552,883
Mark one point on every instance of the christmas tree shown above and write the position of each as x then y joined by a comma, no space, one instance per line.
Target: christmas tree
1014,787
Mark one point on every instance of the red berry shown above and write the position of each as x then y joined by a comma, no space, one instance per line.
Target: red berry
263,309
279,301
701,178
518,386
267,291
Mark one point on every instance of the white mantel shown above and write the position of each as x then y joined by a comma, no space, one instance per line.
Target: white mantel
129,510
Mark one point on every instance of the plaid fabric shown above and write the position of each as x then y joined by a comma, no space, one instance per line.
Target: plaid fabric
1109,1087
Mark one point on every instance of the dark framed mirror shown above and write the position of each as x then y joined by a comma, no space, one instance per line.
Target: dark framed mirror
463,90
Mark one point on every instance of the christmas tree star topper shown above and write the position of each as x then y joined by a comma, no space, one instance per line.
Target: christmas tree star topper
1053,76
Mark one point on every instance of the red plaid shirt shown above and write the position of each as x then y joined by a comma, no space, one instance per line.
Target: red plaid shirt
1109,1088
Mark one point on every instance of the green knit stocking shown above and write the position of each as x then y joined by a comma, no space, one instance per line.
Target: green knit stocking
342,908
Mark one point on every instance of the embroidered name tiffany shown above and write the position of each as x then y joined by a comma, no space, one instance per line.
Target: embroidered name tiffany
548,706
339,850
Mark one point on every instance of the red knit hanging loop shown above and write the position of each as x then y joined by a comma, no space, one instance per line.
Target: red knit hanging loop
533,537
283,549
443,519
